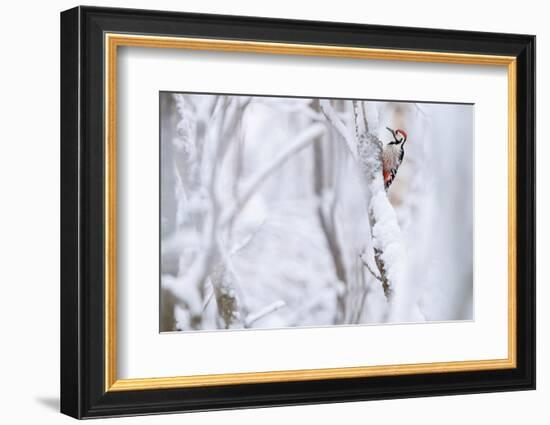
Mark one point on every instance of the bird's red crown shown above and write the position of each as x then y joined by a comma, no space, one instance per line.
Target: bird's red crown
402,132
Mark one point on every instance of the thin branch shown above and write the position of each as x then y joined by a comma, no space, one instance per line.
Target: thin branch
364,293
333,118
207,300
366,264
365,121
299,143
420,110
239,247
254,317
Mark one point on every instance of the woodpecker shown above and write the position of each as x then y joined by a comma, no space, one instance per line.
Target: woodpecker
392,156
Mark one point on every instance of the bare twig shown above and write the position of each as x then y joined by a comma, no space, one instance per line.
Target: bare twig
207,300
420,110
366,264
254,317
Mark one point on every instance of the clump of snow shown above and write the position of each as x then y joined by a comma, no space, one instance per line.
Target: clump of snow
388,239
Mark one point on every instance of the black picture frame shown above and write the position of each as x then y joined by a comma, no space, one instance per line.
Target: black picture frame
83,392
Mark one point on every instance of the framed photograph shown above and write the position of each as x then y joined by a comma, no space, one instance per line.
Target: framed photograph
261,212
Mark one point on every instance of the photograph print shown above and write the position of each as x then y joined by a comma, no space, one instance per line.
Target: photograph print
282,212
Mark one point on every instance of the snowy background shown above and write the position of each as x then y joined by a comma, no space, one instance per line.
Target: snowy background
267,213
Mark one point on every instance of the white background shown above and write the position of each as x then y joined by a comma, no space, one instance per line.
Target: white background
143,72
29,225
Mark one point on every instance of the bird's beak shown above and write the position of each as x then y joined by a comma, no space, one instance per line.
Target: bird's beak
392,133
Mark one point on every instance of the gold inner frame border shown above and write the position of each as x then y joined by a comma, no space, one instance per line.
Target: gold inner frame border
113,40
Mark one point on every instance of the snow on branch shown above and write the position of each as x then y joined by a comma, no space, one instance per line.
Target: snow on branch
229,307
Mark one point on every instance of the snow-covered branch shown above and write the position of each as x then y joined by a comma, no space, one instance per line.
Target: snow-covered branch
256,181
389,253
